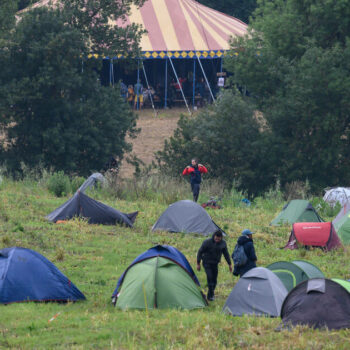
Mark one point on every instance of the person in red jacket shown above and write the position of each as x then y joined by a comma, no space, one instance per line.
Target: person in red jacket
195,171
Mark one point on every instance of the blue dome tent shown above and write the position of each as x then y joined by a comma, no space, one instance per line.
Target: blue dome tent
26,275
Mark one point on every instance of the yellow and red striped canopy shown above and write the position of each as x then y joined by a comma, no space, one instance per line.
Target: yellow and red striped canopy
181,28
183,25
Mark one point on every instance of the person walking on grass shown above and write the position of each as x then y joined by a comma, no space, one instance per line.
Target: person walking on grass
210,253
195,171
244,257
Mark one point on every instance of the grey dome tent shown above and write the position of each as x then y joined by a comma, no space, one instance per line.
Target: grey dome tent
186,216
297,210
293,273
317,303
80,205
258,292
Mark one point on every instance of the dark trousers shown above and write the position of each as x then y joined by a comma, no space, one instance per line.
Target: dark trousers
211,271
195,190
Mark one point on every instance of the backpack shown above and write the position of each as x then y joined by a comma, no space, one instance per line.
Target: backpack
239,256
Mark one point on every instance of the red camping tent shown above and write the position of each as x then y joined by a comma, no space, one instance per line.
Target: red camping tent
314,234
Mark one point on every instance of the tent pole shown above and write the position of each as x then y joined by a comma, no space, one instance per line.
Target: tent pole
110,73
205,77
112,67
194,82
82,65
138,81
178,82
148,87
166,83
221,65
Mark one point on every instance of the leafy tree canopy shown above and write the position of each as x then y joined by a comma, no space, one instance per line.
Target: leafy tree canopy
295,65
241,9
54,110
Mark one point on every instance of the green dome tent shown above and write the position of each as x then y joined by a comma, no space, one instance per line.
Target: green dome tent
161,283
297,210
342,226
292,273
343,283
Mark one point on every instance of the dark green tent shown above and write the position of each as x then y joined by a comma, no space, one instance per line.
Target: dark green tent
292,273
297,210
161,283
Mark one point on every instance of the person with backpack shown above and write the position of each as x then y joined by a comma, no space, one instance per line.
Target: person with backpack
210,253
243,256
195,171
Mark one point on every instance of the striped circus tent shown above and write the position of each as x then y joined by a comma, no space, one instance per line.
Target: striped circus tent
179,28
183,29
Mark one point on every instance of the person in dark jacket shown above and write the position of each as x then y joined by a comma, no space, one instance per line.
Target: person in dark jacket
246,240
210,252
195,171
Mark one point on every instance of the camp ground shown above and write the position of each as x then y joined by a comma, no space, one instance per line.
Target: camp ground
28,276
259,292
159,278
317,303
81,205
297,210
188,217
294,272
311,234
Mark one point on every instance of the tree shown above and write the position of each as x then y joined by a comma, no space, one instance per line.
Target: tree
295,65
54,110
7,20
241,9
226,138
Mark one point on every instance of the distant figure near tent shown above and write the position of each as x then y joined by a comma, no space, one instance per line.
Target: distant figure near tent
297,210
187,217
258,293
195,171
80,205
313,234
244,242
160,278
317,303
28,276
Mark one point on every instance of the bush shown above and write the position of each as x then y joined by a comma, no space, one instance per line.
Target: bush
76,182
227,139
59,184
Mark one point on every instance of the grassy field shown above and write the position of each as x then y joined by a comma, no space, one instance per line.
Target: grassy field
94,257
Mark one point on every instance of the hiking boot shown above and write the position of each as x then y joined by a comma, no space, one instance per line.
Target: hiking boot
211,298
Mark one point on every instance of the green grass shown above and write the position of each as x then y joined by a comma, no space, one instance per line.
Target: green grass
94,257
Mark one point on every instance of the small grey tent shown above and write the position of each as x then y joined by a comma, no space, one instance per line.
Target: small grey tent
91,181
258,292
186,216
80,205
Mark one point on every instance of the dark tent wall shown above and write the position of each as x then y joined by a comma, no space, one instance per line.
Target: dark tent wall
80,205
317,303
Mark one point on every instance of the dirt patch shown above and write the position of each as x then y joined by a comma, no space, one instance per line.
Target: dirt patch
154,130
